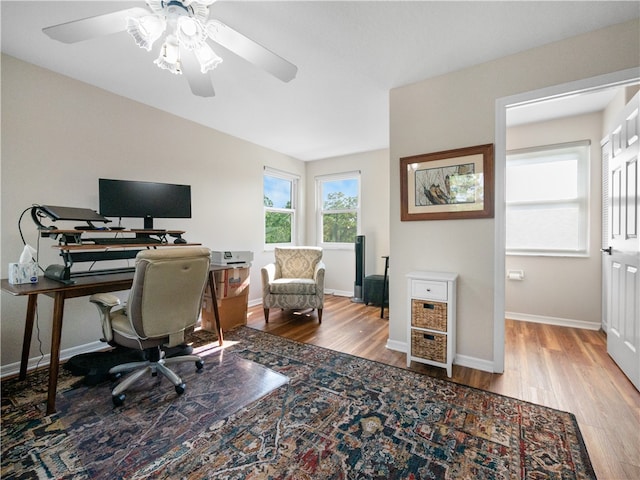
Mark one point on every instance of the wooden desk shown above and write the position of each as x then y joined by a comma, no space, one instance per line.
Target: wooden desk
83,286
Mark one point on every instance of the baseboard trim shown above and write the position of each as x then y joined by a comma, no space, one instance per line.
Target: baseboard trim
461,360
560,322
254,302
475,363
397,346
339,293
66,354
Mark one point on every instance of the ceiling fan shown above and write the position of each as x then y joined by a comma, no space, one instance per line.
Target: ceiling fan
187,28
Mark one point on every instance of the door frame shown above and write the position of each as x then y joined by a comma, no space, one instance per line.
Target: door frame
615,79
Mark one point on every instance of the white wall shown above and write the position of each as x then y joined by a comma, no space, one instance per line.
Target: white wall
458,110
610,114
374,179
561,290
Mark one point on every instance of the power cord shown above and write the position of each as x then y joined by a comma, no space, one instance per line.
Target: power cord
39,340
24,242
37,322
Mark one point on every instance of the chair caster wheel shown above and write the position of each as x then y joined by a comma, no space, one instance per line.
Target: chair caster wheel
115,376
180,388
199,364
118,400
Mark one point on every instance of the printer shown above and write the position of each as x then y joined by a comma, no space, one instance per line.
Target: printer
231,258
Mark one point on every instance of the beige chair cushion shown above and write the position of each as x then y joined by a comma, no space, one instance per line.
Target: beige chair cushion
296,286
297,262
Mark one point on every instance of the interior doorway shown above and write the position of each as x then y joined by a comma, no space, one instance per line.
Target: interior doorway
535,99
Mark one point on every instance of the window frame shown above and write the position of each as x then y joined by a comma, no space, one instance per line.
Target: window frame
293,211
320,212
536,155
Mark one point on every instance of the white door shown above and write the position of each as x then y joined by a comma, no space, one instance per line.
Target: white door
621,260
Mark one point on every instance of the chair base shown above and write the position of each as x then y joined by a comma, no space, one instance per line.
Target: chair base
154,367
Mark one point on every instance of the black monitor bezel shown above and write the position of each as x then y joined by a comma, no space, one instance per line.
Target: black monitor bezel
143,199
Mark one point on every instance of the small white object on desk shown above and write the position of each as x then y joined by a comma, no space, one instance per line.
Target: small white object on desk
26,270
231,258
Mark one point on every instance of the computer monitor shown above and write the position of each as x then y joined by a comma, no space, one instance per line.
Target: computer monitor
148,200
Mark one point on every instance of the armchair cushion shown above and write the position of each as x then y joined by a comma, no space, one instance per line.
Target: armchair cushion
294,286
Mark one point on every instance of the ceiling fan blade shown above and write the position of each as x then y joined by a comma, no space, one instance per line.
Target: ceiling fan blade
86,28
200,83
251,51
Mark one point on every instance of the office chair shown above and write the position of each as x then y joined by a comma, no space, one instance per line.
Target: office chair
164,303
294,281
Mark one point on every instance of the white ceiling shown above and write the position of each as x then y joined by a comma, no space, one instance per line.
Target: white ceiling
349,55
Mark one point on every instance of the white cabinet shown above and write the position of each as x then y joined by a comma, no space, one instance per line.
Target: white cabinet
431,331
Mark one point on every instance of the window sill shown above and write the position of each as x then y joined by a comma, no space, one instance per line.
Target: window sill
549,254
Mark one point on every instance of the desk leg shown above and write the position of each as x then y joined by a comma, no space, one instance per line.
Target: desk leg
54,364
28,332
214,300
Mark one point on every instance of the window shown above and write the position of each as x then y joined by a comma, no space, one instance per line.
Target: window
338,208
547,200
280,199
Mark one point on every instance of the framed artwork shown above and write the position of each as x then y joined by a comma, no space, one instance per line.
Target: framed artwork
452,184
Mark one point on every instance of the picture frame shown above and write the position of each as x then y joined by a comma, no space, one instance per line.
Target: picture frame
447,185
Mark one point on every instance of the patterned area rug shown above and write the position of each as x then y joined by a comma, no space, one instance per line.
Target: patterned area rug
339,417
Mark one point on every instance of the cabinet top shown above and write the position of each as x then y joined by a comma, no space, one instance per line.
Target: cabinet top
429,275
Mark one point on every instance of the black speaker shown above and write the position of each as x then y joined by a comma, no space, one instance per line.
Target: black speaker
357,289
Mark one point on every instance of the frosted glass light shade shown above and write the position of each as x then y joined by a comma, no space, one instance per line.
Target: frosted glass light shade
207,58
146,30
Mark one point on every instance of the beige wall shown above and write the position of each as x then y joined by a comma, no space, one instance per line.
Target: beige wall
458,110
60,135
563,290
374,221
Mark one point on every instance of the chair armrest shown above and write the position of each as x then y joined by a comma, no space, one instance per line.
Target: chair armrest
318,275
105,302
268,274
105,299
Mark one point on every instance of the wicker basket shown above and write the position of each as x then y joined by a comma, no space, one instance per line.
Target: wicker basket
429,345
432,315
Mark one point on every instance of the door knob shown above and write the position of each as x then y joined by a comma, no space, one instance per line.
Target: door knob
608,250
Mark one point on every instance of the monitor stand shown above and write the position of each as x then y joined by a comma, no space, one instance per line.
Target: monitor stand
148,225
148,222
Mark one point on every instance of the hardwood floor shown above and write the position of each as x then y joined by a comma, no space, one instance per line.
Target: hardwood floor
563,368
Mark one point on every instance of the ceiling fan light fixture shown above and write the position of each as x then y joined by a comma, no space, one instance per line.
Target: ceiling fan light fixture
146,30
169,58
190,32
184,29
207,58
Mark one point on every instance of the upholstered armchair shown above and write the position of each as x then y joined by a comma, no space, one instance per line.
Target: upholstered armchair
294,281
163,305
